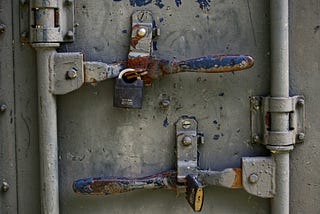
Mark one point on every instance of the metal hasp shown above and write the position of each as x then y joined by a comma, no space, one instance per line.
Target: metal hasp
47,21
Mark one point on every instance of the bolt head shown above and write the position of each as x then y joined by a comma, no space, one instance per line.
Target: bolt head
301,136
70,34
72,73
256,138
164,104
301,102
186,124
3,107
142,32
187,141
2,28
5,186
253,178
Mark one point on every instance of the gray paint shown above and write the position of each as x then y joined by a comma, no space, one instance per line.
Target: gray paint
91,136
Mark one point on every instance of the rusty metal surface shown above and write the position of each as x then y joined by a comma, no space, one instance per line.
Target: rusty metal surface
113,185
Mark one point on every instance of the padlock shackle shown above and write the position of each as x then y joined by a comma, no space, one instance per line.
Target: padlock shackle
125,71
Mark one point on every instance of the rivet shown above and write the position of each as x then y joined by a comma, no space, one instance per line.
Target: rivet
5,186
72,73
68,2
2,28
70,34
186,124
256,138
142,32
3,107
187,141
301,136
164,104
253,178
301,102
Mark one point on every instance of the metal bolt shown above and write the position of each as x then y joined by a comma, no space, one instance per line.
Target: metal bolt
68,2
142,32
164,104
253,178
70,34
2,28
3,107
186,124
301,136
301,102
5,186
256,138
187,141
72,73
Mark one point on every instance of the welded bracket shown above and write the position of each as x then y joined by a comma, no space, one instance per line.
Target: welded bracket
187,139
258,175
46,21
260,116
67,73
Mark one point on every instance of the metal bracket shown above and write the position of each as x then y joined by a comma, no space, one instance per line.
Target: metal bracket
68,73
186,133
141,34
47,21
260,109
258,175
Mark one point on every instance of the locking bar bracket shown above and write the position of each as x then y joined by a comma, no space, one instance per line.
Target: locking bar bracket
260,116
67,72
258,176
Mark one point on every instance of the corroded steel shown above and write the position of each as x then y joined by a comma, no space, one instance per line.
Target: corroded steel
153,68
111,185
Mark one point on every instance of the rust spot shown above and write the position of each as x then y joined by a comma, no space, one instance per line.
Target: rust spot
237,183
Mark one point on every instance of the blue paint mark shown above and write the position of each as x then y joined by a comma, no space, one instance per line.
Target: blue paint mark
161,20
210,62
159,4
124,31
216,137
154,44
166,122
178,2
140,3
82,185
204,4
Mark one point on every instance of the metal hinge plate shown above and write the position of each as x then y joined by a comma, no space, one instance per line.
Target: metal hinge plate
260,111
258,176
50,21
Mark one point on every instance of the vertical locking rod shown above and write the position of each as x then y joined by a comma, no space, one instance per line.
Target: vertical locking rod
48,143
280,88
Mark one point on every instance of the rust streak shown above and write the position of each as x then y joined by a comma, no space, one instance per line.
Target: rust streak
237,183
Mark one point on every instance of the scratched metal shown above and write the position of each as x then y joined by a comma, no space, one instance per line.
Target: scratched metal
96,139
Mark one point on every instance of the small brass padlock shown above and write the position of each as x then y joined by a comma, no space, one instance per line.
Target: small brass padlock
127,94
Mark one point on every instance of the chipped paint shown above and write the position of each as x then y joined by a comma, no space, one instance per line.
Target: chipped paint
204,4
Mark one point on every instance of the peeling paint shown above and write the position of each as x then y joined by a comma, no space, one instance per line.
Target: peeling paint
204,4
166,122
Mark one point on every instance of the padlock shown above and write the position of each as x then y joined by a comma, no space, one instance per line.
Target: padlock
194,193
127,94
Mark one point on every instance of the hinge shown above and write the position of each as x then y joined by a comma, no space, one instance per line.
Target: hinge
260,116
46,21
